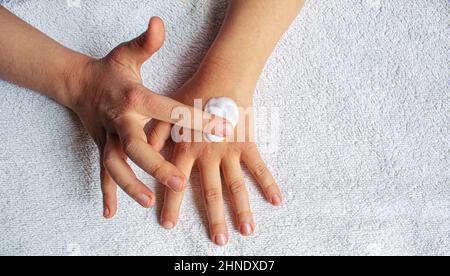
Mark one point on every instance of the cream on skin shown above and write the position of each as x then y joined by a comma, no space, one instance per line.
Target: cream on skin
231,68
233,64
223,107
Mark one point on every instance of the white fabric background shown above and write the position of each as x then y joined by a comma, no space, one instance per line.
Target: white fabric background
362,90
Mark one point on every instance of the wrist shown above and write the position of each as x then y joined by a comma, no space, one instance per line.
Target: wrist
74,76
204,89
221,78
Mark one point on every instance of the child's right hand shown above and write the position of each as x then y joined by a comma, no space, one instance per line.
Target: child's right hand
114,106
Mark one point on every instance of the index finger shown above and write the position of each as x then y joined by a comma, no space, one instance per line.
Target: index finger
135,146
171,111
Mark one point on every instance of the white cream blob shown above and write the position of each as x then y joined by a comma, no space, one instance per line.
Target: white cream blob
223,107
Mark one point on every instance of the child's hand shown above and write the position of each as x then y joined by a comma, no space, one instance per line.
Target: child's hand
212,159
115,107
231,68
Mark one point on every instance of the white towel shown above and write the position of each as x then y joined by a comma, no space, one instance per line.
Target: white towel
362,93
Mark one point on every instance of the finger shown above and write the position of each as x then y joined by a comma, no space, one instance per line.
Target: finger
159,135
234,180
171,111
214,204
264,178
172,200
109,190
108,186
140,49
123,175
134,143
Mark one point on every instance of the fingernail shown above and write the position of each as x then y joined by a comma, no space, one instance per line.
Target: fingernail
168,224
144,200
276,200
175,183
246,229
106,212
221,240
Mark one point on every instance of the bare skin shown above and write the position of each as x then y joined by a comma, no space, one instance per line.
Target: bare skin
231,68
114,106
108,96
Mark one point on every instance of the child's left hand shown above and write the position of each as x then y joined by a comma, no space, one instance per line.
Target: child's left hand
212,159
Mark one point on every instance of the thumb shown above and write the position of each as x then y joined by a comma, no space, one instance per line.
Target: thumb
140,49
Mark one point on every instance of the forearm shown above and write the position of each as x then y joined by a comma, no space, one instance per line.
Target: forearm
251,30
31,59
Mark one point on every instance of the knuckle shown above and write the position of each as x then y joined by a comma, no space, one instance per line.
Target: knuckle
237,186
184,148
218,225
107,195
147,98
169,216
128,188
112,114
154,136
158,169
212,196
130,145
235,151
125,103
132,97
170,210
259,170
244,214
208,151
270,186
138,42
108,159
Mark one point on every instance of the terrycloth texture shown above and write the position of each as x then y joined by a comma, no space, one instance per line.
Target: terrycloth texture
362,90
